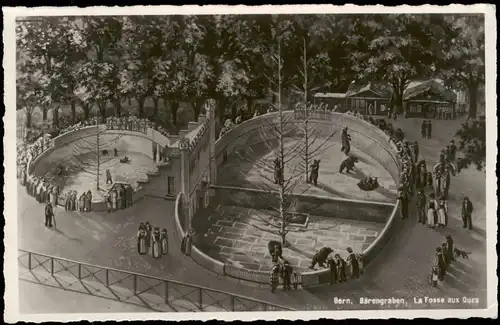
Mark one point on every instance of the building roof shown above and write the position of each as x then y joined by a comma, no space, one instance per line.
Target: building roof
417,88
330,95
380,90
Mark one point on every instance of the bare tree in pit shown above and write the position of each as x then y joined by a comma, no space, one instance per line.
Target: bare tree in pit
313,144
90,153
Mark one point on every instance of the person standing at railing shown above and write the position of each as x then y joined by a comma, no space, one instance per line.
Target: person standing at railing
274,277
286,274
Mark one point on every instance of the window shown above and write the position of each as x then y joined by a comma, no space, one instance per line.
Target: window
170,185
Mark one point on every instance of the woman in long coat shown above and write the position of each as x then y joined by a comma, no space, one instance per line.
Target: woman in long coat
141,241
341,268
149,233
82,202
88,205
164,242
353,263
442,212
440,263
431,212
156,251
189,243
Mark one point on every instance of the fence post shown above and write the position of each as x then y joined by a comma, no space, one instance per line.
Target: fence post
166,292
200,299
135,284
79,271
29,261
107,277
232,303
52,266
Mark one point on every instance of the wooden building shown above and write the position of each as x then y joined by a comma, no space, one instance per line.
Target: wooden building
335,101
429,99
371,99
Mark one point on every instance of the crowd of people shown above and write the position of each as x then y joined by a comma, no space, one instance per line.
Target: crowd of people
121,196
151,240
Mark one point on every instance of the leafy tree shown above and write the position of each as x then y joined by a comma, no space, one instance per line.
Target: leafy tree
27,91
395,49
462,64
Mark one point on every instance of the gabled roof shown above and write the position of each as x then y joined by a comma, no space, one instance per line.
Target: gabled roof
330,95
380,90
416,88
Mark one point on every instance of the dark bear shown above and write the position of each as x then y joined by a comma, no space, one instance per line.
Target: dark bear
348,164
275,250
105,152
320,257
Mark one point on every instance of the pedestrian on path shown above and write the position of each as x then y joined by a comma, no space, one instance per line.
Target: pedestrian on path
286,274
442,212
431,212
164,242
429,129
156,251
440,263
421,206
142,248
403,202
450,249
467,209
49,214
149,233
341,268
423,128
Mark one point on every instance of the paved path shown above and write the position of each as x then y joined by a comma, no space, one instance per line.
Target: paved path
109,240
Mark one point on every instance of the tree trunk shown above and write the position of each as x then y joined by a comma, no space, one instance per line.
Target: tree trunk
44,113
156,101
86,111
55,116
73,111
29,115
249,106
118,107
234,112
102,109
174,105
473,100
140,101
221,109
195,104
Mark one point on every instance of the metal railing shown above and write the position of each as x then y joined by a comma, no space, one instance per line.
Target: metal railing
261,277
147,291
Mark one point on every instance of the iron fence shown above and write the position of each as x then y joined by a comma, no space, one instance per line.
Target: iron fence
256,276
147,291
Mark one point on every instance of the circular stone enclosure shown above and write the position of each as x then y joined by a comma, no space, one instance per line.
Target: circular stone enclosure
228,230
76,152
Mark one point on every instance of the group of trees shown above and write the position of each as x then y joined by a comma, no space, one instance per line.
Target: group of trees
96,61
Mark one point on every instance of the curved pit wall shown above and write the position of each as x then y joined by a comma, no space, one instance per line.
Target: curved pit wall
365,137
142,143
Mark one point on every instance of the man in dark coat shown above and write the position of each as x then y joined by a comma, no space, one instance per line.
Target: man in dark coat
423,128
286,274
49,213
109,180
467,209
421,206
429,129
130,195
415,150
353,261
403,202
453,150
332,266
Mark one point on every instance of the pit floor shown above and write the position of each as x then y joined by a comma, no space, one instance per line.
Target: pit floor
239,235
251,167
81,172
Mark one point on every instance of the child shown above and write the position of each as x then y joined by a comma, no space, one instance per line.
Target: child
434,276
